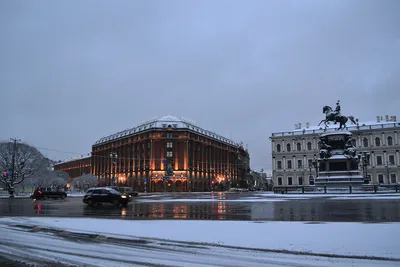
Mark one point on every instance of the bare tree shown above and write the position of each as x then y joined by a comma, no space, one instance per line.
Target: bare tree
19,161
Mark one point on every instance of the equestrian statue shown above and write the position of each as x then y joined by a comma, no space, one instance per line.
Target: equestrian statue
335,116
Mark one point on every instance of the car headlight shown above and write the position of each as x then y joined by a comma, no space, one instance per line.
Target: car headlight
123,196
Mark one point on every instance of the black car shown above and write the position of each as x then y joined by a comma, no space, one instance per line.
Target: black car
105,195
128,191
45,193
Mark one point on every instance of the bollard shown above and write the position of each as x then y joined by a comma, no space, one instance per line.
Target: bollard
350,189
302,189
375,189
324,189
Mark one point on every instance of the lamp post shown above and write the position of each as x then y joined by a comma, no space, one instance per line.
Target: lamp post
364,163
114,157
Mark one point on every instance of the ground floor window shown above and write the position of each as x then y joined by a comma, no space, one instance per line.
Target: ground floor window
393,178
279,180
380,178
290,180
300,180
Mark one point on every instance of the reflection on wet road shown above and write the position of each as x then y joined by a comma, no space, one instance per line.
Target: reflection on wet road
314,209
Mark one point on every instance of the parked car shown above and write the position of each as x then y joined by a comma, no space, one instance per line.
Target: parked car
105,195
45,193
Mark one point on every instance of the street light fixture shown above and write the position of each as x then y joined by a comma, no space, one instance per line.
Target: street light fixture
365,156
114,157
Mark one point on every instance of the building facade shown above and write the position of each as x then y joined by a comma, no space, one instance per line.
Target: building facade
75,167
294,153
169,154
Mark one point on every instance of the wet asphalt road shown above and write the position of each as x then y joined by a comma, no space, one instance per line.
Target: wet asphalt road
223,207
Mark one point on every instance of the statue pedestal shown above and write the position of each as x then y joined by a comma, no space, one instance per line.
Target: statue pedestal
338,162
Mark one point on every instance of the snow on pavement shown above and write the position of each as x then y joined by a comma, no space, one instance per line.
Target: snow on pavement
162,243
361,239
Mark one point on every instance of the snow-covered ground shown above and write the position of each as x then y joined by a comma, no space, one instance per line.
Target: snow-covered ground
102,242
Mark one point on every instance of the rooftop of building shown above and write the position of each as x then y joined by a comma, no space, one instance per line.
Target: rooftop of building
379,123
166,122
80,157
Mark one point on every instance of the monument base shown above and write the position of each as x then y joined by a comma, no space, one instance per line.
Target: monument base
339,179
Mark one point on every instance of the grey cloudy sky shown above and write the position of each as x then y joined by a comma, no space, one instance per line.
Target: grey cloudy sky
74,71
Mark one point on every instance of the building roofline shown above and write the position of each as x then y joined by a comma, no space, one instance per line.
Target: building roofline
163,123
359,127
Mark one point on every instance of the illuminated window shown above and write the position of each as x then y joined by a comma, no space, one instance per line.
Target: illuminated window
169,144
169,154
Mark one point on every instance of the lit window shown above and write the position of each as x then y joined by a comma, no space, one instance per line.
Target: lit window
169,144
169,154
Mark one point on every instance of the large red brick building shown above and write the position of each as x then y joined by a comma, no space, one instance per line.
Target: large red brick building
169,154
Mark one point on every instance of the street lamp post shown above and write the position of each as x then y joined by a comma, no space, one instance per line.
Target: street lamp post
114,157
364,163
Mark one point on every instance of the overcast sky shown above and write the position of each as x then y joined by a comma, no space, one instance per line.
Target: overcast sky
74,71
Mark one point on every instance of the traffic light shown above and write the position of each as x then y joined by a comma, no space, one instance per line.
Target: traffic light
4,174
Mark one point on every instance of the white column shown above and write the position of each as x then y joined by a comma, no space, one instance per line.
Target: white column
372,158
304,144
383,139
385,159
283,146
359,141
274,164
371,139
284,163
397,159
396,140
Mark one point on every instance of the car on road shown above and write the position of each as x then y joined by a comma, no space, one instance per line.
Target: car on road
97,195
45,193
128,191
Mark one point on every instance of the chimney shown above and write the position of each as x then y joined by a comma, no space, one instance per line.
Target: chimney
307,125
387,117
394,118
299,125
378,118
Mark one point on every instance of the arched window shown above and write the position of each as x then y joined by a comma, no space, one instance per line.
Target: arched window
354,142
278,148
288,148
309,146
298,147
390,141
377,141
365,142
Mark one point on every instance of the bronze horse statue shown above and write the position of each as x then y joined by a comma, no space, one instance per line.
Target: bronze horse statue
331,116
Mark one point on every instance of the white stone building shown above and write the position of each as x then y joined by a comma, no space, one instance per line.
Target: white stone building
294,152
